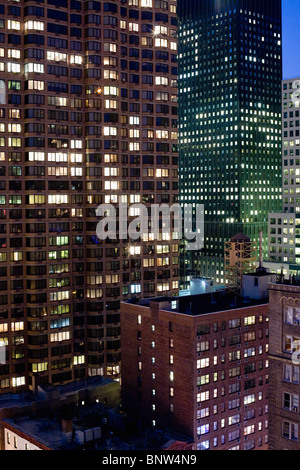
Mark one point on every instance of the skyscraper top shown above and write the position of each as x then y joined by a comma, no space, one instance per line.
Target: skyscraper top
191,9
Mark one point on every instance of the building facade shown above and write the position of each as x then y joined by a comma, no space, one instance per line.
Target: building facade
282,238
88,116
284,366
230,71
199,364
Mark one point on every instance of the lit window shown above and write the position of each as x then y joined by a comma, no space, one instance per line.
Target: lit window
76,157
13,54
15,25
160,42
36,156
34,25
34,68
76,59
13,68
78,360
35,85
56,56
133,27
18,381
146,3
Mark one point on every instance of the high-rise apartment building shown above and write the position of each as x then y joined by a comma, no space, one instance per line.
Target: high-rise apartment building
199,364
284,385
88,116
230,71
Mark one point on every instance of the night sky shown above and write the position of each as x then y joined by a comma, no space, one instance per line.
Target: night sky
291,38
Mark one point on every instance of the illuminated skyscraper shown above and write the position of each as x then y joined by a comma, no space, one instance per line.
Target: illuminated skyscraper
230,70
88,116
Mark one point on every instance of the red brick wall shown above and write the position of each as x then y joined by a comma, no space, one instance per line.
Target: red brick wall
138,398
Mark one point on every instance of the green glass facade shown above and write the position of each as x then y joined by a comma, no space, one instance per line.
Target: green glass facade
230,71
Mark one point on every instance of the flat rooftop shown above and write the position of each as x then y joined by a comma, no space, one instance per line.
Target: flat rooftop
44,431
201,304
292,281
27,398
11,400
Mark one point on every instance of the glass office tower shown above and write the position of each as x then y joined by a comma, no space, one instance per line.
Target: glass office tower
230,70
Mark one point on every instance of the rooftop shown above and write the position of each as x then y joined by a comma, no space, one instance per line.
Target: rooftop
43,431
291,281
95,428
85,384
218,298
216,302
12,400
240,237
200,304
50,392
260,272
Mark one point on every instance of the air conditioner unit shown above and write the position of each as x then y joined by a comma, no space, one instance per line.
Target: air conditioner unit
295,409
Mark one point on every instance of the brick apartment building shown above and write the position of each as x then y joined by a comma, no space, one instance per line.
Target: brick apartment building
199,364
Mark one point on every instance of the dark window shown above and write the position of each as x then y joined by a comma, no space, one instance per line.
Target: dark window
33,39
75,5
110,7
57,15
75,19
58,43
13,10
57,29
34,11
59,3
75,32
14,39
92,6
